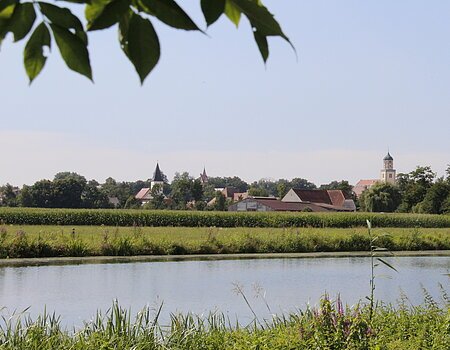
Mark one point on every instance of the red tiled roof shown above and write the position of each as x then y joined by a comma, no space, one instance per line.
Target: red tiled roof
142,194
337,197
278,205
313,196
366,182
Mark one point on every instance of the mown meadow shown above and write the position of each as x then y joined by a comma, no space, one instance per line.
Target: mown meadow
17,241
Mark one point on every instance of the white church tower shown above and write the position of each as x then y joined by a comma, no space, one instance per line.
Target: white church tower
157,179
388,171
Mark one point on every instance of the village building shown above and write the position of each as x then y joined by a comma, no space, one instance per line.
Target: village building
298,200
387,174
329,199
229,192
363,185
157,183
264,204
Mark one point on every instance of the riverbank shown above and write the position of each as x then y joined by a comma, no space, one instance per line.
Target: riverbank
23,262
330,326
82,241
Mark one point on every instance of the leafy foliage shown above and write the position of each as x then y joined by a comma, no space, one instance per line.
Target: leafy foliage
137,36
382,197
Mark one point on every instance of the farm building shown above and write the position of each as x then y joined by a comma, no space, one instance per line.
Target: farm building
298,200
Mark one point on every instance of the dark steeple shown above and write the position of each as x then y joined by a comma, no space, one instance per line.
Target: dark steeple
203,176
388,157
157,176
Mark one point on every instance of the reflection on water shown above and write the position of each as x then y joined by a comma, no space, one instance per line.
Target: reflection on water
77,291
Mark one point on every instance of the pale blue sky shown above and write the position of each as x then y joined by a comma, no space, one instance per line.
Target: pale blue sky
369,75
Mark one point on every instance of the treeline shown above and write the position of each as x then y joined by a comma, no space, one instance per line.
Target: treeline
71,190
418,192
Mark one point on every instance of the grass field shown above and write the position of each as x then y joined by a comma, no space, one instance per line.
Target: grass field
23,241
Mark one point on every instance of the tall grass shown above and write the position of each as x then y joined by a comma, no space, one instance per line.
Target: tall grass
75,241
329,326
111,217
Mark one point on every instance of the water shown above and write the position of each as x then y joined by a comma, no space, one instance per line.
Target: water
76,291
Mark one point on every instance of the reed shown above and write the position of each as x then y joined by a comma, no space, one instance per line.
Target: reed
331,325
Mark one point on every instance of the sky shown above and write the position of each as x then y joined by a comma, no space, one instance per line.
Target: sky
368,76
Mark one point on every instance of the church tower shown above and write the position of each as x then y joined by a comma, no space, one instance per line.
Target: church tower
158,179
204,177
388,171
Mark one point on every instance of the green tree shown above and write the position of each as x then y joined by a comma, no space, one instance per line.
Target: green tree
157,201
434,201
8,196
121,190
42,194
414,186
221,202
197,190
68,192
132,203
93,197
25,199
302,184
382,197
133,19
282,187
181,192
257,191
342,185
265,187
221,182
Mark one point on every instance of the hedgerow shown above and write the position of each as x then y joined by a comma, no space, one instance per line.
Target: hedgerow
111,217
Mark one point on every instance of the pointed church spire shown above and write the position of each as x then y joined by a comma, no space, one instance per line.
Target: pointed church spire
203,176
157,176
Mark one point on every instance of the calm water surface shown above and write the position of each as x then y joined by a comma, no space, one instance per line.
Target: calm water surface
76,291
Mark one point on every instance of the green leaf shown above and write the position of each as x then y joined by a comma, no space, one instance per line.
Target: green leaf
64,18
232,12
124,24
78,1
142,45
22,20
212,10
380,249
263,46
7,8
34,59
387,264
260,18
73,50
170,13
102,14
